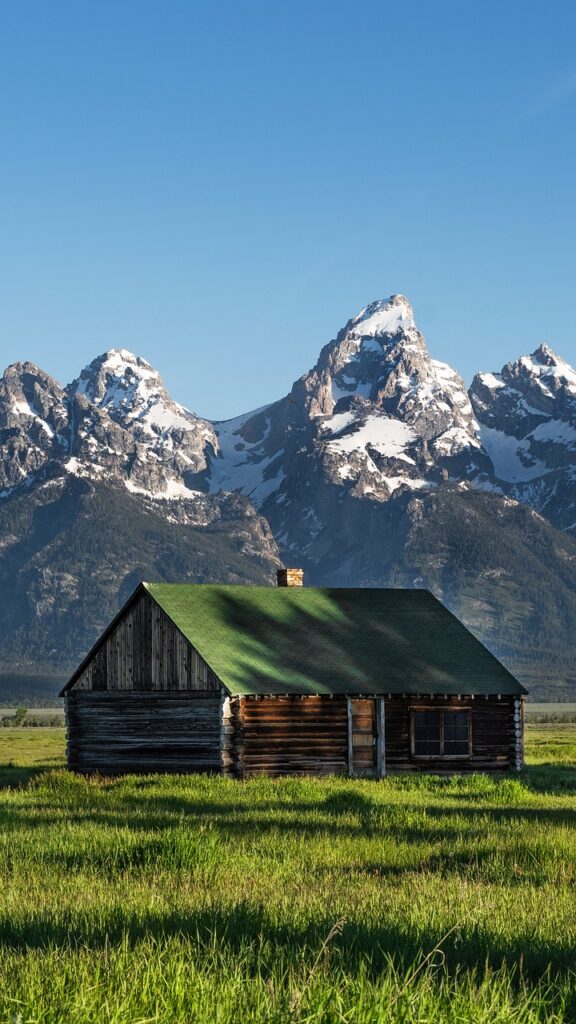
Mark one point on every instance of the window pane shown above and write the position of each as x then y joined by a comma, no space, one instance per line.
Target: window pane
456,732
455,747
426,732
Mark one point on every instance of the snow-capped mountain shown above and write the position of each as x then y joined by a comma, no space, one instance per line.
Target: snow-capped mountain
99,489
527,417
125,424
115,421
34,424
375,418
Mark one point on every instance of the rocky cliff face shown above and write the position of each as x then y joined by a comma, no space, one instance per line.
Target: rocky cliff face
527,418
34,424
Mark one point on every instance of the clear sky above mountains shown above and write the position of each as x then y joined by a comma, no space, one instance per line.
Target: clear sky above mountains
220,186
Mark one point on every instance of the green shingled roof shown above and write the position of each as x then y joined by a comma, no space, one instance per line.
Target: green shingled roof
312,641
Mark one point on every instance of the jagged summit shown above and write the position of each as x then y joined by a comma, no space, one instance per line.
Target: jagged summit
118,357
21,367
115,377
541,376
527,417
115,421
551,370
546,355
375,418
383,317
124,355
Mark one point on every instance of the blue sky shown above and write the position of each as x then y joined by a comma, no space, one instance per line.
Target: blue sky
220,186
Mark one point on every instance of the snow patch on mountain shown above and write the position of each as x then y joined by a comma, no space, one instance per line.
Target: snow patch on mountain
556,431
387,436
340,420
23,408
454,441
173,490
492,380
245,465
346,387
510,457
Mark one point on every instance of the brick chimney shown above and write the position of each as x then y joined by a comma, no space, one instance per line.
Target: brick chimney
290,577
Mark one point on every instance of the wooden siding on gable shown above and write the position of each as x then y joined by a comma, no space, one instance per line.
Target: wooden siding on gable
146,651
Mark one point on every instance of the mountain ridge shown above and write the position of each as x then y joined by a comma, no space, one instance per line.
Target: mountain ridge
346,394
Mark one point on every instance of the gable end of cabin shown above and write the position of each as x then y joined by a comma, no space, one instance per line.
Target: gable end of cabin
144,700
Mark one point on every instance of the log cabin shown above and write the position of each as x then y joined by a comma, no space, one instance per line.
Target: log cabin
246,680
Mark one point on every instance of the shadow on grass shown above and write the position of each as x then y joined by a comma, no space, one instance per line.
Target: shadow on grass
13,776
549,778
248,929
543,778
343,814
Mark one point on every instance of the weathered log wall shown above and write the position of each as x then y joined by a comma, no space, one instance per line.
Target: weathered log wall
289,736
116,732
495,735
145,651
205,731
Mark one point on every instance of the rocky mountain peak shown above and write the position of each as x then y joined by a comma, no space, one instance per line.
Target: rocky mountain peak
117,379
366,360
28,382
374,419
541,383
116,420
382,358
31,400
527,416
127,425
383,317
546,356
537,362
33,423
132,393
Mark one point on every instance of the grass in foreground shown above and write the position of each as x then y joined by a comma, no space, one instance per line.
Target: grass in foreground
179,899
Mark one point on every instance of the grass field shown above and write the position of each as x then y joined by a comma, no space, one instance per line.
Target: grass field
550,712
182,899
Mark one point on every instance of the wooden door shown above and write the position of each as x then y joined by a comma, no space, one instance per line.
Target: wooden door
366,736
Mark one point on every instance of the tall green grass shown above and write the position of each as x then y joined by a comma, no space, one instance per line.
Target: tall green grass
193,899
